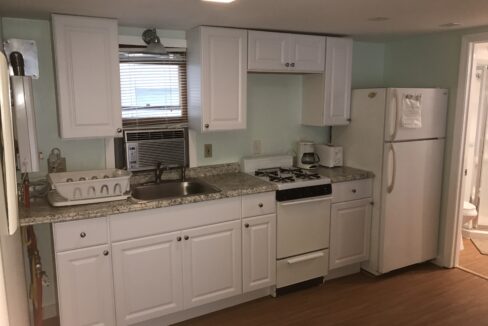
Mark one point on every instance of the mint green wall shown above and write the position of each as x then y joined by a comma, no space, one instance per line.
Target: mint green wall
368,65
80,154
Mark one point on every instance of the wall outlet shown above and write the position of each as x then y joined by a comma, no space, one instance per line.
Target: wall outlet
207,149
256,147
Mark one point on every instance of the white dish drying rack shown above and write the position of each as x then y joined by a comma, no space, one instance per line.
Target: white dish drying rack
84,187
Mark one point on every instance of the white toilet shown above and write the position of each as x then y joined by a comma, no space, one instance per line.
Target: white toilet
470,215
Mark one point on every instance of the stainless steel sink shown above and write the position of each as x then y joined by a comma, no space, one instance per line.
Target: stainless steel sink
171,189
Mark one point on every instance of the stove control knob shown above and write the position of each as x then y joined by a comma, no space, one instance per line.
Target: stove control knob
260,205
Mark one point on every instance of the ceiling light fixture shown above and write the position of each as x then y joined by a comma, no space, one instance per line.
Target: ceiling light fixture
378,19
154,46
220,1
448,25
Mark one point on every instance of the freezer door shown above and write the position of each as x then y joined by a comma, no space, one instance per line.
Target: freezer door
433,113
411,194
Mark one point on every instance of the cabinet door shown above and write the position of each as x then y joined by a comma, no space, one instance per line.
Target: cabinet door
307,53
224,84
258,252
269,51
211,263
350,231
338,73
85,287
87,76
147,277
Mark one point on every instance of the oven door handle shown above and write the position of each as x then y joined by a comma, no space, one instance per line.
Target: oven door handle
303,258
305,201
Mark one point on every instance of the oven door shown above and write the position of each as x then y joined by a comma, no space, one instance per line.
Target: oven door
302,226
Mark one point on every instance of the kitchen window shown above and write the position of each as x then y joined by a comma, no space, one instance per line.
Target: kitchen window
153,89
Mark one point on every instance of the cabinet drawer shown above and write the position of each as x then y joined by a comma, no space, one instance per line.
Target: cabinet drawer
259,204
302,268
80,234
352,190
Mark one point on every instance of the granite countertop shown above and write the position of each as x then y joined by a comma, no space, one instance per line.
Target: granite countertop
231,184
344,173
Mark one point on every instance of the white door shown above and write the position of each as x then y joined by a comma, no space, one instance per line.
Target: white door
211,263
433,112
269,51
350,230
224,84
85,287
147,277
411,194
307,53
338,74
87,76
302,226
258,252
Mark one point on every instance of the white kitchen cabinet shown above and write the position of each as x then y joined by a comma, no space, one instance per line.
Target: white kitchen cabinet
217,78
87,76
282,52
211,263
258,252
85,287
350,231
147,277
327,97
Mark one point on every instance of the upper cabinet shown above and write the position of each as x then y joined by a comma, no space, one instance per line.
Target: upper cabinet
281,52
87,76
326,97
217,78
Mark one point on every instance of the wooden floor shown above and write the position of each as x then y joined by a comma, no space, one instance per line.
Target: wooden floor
470,258
422,295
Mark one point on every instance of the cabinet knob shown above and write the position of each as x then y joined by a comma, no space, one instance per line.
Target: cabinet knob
287,64
119,130
187,237
105,252
349,120
178,238
372,203
292,64
260,205
207,125
246,225
82,234
354,191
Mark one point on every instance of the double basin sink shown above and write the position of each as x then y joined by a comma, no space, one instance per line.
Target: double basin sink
172,189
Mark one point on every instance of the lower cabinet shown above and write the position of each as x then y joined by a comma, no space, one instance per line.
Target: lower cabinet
85,287
211,263
147,277
258,252
350,231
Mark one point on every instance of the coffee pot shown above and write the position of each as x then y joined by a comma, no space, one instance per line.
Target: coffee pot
306,156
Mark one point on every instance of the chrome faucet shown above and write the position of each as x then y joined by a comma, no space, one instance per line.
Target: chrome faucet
158,172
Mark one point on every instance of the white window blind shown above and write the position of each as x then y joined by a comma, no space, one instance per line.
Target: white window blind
153,92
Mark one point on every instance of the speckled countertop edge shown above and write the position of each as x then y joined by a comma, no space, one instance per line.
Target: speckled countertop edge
344,174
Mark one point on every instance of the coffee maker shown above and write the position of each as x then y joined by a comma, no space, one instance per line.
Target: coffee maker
306,156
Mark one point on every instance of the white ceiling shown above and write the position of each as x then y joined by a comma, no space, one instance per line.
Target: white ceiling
348,17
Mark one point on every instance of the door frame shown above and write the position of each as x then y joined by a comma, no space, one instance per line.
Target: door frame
449,253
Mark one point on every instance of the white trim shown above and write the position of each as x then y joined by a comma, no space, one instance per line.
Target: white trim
448,256
109,153
167,42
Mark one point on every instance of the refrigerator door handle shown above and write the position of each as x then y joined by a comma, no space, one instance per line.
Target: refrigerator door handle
7,167
390,187
397,114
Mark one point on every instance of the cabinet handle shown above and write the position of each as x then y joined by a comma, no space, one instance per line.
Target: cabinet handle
82,234
105,252
260,205
187,237
207,125
178,239
292,64
287,64
354,191
119,130
246,225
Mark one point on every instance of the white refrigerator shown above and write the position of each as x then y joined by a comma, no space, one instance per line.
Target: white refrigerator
399,135
13,292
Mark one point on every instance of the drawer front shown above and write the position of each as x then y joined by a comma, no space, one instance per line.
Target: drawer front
259,204
352,190
302,268
80,234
